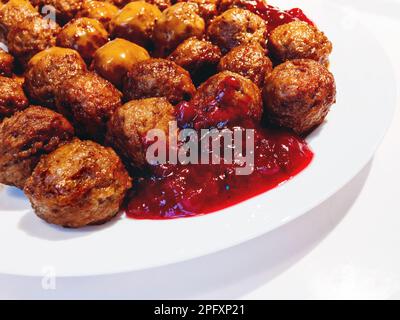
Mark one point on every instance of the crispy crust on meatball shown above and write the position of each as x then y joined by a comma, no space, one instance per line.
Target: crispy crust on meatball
130,124
6,63
225,98
298,95
113,60
65,9
135,22
88,101
199,57
16,11
208,9
12,97
299,40
47,70
235,27
248,60
30,37
158,78
99,10
84,35
177,23
81,183
25,137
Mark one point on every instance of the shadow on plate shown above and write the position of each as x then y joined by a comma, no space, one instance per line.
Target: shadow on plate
36,227
13,199
228,274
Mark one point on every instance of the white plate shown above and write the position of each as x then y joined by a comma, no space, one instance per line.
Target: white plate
343,145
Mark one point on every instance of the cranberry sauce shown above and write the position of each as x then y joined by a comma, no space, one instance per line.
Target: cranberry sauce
186,190
275,16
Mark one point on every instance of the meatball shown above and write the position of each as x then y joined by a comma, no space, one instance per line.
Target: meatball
113,60
30,37
12,97
135,22
199,57
158,78
99,10
298,94
81,183
177,23
88,101
65,9
224,99
236,27
299,40
130,124
84,35
47,70
16,11
208,9
25,137
6,63
249,60
161,4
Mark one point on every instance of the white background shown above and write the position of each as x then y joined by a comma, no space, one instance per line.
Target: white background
349,247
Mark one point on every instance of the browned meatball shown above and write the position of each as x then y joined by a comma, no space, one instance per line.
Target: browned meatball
199,57
16,11
158,78
113,60
65,9
236,27
208,9
81,183
298,94
25,137
47,70
135,22
30,37
177,23
84,35
12,97
130,124
99,10
6,63
299,40
88,101
224,5
249,60
224,99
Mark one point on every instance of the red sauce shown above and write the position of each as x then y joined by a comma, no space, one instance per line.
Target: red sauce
175,191
275,16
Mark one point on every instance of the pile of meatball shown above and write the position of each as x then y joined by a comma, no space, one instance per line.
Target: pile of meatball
79,94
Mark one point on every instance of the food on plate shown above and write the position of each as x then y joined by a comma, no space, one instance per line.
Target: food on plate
6,64
113,60
25,137
31,36
226,98
12,97
248,60
102,11
236,27
298,95
88,101
176,24
132,94
65,10
81,183
130,124
135,22
84,35
158,78
199,57
47,70
299,40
